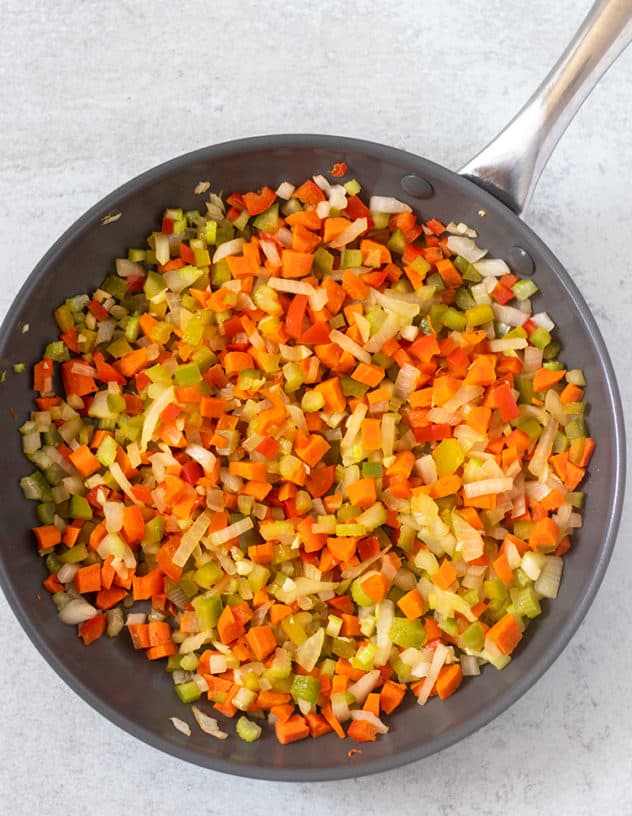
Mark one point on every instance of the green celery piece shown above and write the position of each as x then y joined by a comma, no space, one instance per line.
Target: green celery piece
35,487
210,232
380,220
312,401
208,608
258,577
173,662
188,584
350,258
495,590
324,261
132,329
524,289
576,429
421,266
119,347
551,352
397,242
474,637
208,574
463,299
352,187
435,280
364,658
154,531
187,374
53,563
115,286
80,508
220,273
46,512
372,470
154,284
64,318
468,270
294,630
454,320
449,626
540,338
116,403
342,647
247,730
478,315
56,351
225,232
437,313
135,255
531,427
107,451
188,692
158,374
526,601
75,554
352,388
268,221
189,662
305,687
407,633
281,667
241,221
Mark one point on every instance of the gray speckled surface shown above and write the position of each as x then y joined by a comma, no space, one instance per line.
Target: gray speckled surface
92,94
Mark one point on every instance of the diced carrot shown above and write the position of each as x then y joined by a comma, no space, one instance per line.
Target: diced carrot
292,730
375,586
391,696
48,536
505,634
362,731
318,725
449,679
543,379
107,598
333,721
362,493
411,604
543,534
261,640
92,629
84,460
445,576
88,579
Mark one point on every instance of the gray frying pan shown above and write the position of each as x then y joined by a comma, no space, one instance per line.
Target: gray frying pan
488,194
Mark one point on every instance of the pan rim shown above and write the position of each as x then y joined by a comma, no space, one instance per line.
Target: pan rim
556,645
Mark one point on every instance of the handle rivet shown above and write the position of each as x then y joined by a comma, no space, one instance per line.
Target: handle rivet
521,262
417,187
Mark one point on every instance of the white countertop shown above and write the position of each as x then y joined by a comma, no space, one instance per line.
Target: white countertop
94,93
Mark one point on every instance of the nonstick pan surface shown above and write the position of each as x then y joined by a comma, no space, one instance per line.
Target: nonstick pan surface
138,696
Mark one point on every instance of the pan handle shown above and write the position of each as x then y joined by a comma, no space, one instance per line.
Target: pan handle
511,164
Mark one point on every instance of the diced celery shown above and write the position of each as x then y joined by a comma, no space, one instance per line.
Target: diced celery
75,554
247,730
524,289
352,187
468,270
407,633
294,630
525,601
208,608
540,338
364,657
372,470
305,687
80,507
478,315
188,692
187,374
189,662
324,261
474,637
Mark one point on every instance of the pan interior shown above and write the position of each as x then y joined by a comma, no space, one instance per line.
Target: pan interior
136,694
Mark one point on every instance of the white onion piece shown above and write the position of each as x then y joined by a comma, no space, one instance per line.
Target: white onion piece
285,190
347,344
438,659
67,572
126,268
461,229
191,538
469,666
385,613
77,611
181,726
388,204
509,315
425,466
355,229
543,321
508,344
233,247
295,287
123,482
539,461
386,332
494,267
364,686
113,516
270,250
203,457
407,379
466,248
161,247
485,487
549,579
232,531
368,716
532,360
340,707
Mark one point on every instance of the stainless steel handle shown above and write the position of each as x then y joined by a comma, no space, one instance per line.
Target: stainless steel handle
511,164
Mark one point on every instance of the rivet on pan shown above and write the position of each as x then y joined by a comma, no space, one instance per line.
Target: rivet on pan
417,187
520,261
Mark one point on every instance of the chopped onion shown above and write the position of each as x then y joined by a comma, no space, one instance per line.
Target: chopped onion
181,726
532,360
508,344
271,251
232,531
203,457
494,267
77,611
123,482
407,379
308,653
440,655
427,469
126,268
543,321
509,315
466,248
191,538
368,716
485,487
113,516
294,287
384,613
539,461
285,190
469,666
161,247
388,204
387,331
355,229
548,582
152,415
67,573
228,248
340,707
347,344
461,229
208,724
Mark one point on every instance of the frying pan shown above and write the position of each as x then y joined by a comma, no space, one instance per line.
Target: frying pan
488,194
